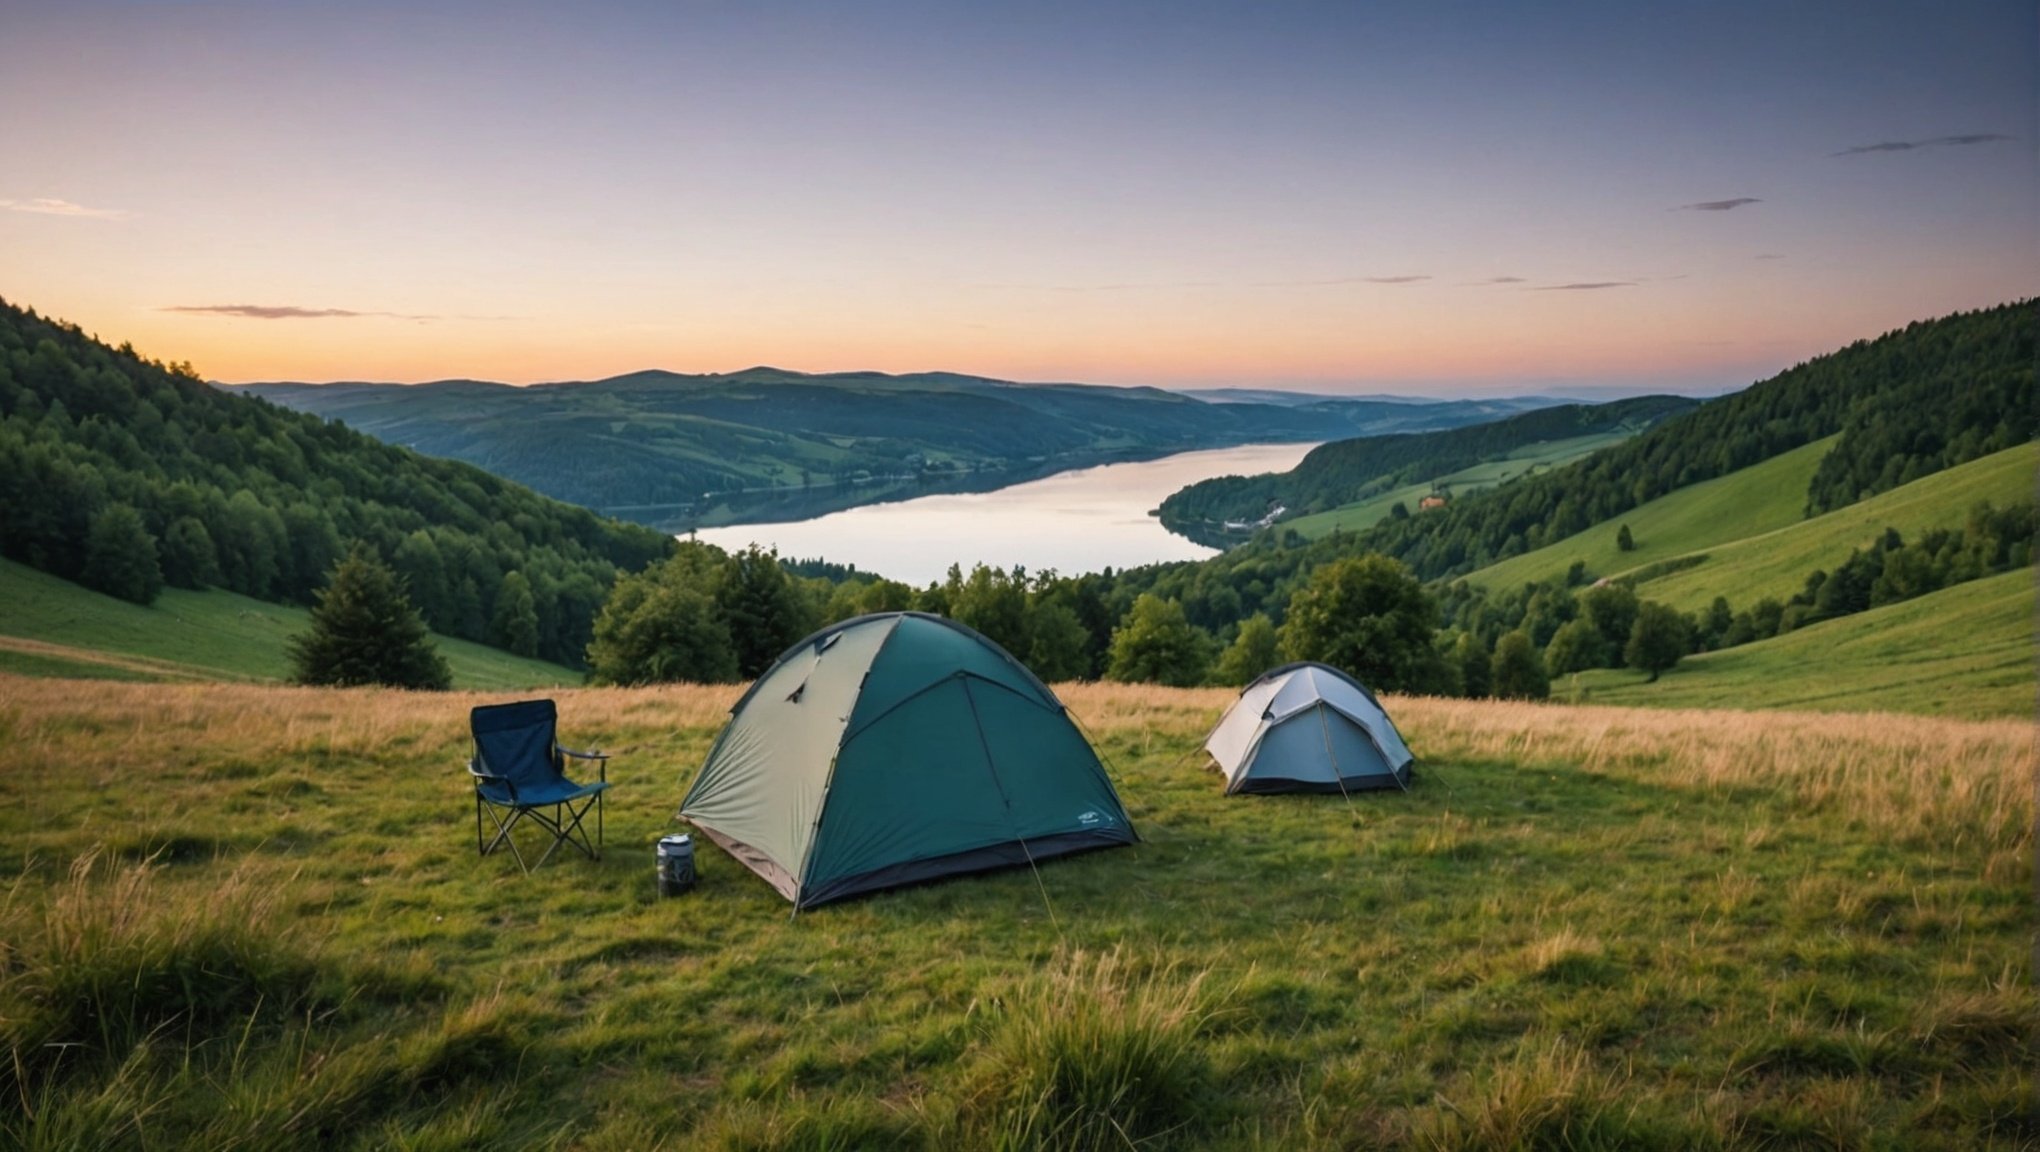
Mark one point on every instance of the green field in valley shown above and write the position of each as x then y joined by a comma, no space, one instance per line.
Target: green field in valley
1776,563
1966,650
52,627
1756,499
1526,461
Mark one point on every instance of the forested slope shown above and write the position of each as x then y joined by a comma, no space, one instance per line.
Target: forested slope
1346,471
1911,402
114,468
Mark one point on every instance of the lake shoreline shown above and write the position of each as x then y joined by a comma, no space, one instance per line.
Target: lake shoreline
795,505
1071,520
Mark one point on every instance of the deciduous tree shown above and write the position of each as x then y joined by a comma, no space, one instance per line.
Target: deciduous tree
1368,616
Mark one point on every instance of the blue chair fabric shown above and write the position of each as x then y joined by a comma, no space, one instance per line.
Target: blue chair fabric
519,773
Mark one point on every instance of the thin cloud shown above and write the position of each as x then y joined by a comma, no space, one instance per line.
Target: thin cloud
1495,280
1770,256
1584,286
286,312
44,206
1718,205
1343,281
1912,145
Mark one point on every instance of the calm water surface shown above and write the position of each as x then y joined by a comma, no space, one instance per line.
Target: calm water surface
1072,522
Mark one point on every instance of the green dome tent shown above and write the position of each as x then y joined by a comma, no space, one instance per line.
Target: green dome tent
896,748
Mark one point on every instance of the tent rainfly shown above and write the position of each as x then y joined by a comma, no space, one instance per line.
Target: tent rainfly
896,748
1308,728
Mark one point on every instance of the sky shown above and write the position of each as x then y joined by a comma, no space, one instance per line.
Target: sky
1427,198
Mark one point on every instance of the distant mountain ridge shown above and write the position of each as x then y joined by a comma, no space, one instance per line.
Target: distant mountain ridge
677,451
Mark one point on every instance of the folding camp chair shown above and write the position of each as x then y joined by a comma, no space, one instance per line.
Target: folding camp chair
519,767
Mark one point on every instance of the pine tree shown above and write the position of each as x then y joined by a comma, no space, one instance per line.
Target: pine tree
1623,540
365,631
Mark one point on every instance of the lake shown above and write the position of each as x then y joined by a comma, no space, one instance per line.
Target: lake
1072,522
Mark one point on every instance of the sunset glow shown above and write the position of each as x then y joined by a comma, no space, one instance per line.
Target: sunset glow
1424,198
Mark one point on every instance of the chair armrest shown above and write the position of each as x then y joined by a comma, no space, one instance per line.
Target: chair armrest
601,760
480,777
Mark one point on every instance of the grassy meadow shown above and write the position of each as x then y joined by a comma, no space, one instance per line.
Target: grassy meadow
1525,461
1749,529
1965,650
250,916
52,627
1761,498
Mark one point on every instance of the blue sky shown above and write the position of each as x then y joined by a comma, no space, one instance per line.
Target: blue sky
1421,198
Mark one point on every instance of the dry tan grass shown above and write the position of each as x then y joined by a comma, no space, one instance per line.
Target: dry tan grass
1959,784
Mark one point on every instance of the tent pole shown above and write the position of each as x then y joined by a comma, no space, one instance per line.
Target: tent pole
1338,774
992,768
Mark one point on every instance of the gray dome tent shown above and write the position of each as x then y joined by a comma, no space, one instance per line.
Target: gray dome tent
896,748
1308,728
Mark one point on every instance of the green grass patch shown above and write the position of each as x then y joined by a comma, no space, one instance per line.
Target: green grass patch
1526,461
1582,927
1757,499
1776,563
1961,651
184,634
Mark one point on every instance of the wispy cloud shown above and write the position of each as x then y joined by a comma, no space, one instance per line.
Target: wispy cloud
287,312
1770,256
1911,145
1495,280
1583,286
1718,205
47,207
1343,281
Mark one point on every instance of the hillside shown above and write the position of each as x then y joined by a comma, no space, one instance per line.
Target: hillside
1529,460
679,451
1748,502
1961,651
1346,472
1910,403
1738,536
1776,563
113,463
52,627
1587,927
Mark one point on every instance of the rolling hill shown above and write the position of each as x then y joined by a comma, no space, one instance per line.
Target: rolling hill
107,457
1343,473
1753,500
1961,651
1530,460
681,451
1905,405
52,627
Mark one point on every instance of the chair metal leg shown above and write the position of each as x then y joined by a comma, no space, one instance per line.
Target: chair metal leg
503,836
